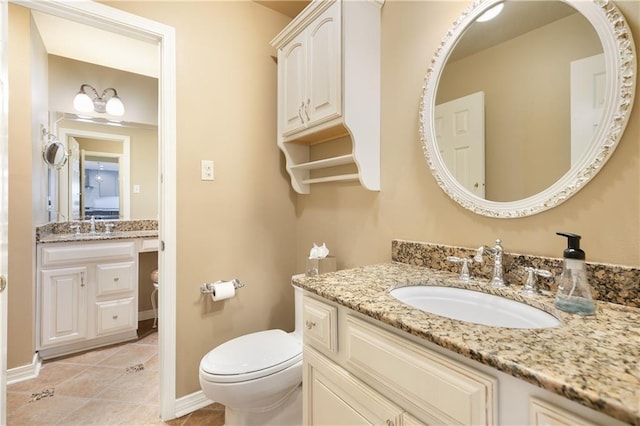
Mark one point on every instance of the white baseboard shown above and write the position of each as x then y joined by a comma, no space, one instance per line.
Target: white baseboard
25,372
145,315
190,403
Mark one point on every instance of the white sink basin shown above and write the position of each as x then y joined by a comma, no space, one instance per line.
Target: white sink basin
474,306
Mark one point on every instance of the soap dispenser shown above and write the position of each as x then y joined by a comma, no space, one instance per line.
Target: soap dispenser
574,292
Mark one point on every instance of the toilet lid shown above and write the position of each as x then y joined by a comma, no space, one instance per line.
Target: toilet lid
251,356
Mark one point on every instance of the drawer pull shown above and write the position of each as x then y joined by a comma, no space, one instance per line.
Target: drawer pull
389,422
115,317
310,324
116,279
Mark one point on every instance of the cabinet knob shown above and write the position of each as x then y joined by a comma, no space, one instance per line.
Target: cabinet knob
310,324
115,317
390,422
116,279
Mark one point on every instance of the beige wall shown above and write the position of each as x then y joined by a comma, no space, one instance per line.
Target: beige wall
242,224
21,253
248,224
359,225
526,85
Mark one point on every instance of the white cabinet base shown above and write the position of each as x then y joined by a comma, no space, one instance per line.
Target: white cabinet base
71,348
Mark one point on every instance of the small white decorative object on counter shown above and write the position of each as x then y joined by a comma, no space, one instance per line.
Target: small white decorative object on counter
319,260
319,252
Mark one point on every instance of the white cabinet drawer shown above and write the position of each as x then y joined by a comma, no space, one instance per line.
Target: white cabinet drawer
79,253
442,391
320,324
113,278
541,413
149,245
116,316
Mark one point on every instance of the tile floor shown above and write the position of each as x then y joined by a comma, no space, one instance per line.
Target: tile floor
116,385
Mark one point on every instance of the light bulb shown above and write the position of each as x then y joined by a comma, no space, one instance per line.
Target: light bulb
115,106
82,102
491,13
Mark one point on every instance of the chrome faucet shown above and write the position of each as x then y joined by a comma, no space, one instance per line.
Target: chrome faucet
92,230
497,280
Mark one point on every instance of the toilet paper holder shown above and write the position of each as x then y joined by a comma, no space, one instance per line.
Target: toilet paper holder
207,288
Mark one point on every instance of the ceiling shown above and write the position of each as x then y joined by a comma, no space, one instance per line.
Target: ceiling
88,44
291,8
92,45
517,18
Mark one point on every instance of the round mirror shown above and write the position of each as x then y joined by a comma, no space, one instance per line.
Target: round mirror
55,154
520,111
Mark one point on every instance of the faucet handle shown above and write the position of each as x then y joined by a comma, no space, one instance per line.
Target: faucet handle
107,227
530,286
464,273
76,228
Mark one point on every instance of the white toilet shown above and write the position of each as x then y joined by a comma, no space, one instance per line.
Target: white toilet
258,376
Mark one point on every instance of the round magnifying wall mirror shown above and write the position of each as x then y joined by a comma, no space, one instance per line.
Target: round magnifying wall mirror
55,154
519,112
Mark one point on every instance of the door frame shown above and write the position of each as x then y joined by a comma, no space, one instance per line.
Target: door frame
126,24
4,204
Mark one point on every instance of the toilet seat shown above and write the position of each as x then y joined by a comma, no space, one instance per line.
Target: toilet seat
251,356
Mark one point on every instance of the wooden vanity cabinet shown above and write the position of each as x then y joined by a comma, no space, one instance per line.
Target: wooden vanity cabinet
87,296
360,371
373,376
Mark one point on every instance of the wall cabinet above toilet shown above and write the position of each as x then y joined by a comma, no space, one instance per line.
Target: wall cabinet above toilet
329,90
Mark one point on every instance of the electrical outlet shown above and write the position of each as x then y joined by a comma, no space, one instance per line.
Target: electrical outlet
206,169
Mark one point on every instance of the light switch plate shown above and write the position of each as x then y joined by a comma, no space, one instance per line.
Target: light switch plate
206,168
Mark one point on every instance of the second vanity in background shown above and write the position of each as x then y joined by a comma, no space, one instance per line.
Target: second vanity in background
87,289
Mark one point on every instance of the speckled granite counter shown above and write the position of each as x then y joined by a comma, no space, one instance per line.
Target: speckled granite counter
122,230
591,360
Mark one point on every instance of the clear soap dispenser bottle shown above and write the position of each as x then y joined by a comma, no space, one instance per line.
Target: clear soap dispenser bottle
574,292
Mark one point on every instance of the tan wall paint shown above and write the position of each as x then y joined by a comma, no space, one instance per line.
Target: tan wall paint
243,223
21,253
358,226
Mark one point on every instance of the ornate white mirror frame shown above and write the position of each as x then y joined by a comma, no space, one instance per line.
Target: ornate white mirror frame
620,67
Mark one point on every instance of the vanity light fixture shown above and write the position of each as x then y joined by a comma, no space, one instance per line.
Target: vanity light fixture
491,13
88,100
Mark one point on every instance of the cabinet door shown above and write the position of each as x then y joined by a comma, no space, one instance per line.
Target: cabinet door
291,84
324,89
63,306
332,396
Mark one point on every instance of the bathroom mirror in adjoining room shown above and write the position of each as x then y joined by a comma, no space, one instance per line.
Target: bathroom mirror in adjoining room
520,111
111,173
97,140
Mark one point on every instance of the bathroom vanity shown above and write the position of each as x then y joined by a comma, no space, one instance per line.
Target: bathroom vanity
87,289
371,359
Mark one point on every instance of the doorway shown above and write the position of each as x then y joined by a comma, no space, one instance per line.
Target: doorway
118,22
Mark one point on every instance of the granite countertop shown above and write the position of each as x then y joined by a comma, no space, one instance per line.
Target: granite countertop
115,235
591,360
64,232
